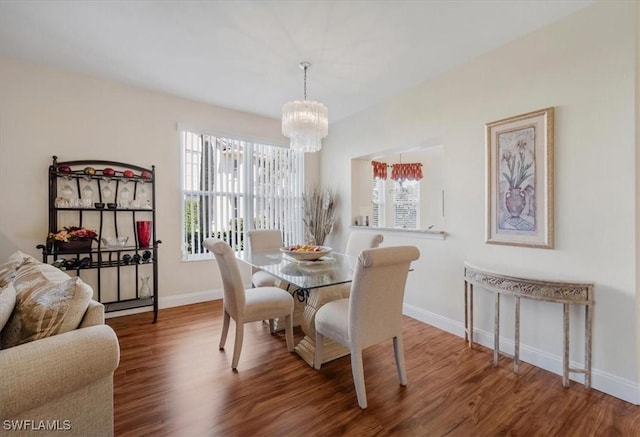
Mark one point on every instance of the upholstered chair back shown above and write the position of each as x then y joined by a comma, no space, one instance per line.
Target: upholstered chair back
265,239
361,240
377,292
233,287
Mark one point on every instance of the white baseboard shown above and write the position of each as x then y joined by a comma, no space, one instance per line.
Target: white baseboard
189,298
613,385
172,301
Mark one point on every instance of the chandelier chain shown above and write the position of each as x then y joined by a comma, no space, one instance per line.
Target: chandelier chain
305,82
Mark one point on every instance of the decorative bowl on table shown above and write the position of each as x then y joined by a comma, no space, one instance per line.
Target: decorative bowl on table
114,242
306,252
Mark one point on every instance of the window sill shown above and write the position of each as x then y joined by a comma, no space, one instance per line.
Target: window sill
419,233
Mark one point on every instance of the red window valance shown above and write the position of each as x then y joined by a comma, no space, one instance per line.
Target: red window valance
407,172
379,169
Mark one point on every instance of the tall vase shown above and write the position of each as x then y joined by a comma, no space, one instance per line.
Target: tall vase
143,229
145,288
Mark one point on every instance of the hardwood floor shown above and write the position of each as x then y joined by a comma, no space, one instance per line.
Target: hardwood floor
173,381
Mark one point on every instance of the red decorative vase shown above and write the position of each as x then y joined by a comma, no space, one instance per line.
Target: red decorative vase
143,229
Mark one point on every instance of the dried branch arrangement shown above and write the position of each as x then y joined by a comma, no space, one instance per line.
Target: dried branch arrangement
319,214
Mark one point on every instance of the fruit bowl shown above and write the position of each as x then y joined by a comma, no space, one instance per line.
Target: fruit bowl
306,252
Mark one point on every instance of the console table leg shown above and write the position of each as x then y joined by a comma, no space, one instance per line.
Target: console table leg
587,345
496,335
470,327
471,315
466,312
516,353
565,359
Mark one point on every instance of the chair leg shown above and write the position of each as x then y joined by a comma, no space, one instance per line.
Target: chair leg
225,329
272,326
317,357
237,347
288,331
398,350
357,370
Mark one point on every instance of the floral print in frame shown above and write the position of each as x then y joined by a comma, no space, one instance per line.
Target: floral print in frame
520,180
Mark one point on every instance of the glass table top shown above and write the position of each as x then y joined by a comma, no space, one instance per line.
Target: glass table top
335,268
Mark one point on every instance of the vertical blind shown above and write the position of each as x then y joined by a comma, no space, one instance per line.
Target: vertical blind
378,202
231,186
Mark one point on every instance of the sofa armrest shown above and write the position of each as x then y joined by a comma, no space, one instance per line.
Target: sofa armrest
37,372
94,315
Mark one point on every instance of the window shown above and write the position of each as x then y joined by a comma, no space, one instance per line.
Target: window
406,204
365,196
230,186
404,209
377,201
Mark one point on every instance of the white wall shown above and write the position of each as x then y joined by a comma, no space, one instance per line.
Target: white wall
47,112
584,67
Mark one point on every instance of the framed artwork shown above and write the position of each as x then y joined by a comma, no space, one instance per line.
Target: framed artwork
520,180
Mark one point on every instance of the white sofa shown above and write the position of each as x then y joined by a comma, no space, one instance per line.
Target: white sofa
61,382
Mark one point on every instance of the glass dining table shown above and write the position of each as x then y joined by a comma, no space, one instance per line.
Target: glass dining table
312,282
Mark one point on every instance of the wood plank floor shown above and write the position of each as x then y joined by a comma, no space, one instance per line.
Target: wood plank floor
173,381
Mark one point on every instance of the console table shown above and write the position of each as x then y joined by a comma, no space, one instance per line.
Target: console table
566,293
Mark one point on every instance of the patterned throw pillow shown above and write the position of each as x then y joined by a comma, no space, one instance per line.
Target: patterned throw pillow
48,302
8,270
7,302
30,273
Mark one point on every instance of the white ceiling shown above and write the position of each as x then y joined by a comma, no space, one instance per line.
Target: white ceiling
245,54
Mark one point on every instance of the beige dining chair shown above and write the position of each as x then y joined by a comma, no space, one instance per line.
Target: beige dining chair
264,239
245,306
361,240
267,239
356,243
372,313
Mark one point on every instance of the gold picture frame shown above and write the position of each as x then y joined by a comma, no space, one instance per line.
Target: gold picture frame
520,180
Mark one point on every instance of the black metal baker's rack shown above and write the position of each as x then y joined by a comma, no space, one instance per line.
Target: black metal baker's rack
114,219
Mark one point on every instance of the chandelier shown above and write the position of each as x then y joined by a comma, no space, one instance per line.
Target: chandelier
305,122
